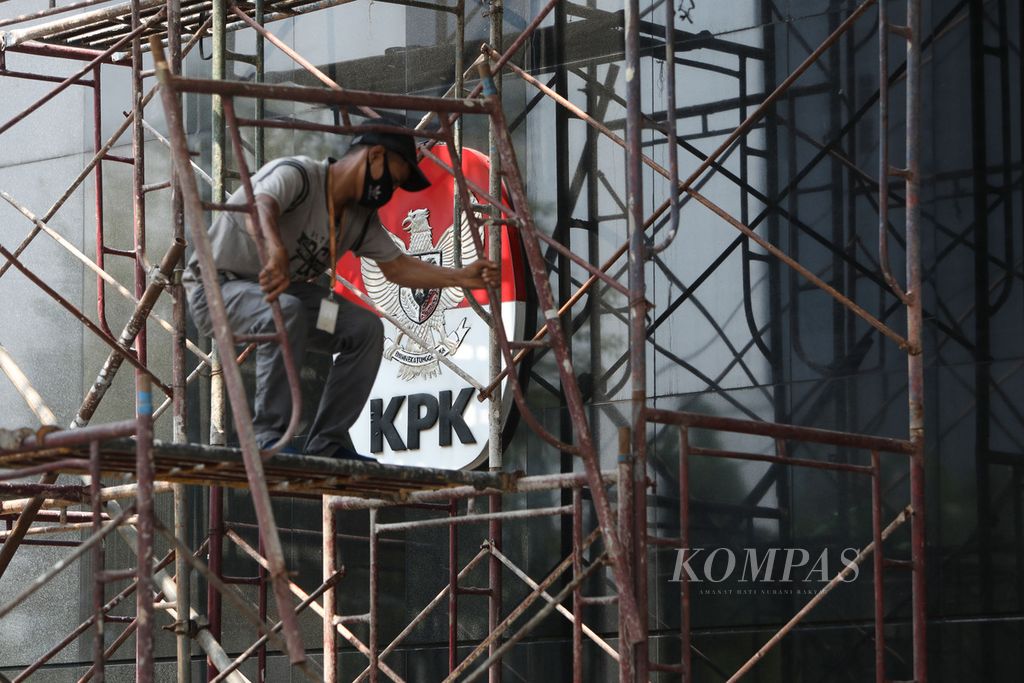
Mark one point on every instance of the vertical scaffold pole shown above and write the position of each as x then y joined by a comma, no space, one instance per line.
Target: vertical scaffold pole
330,563
251,456
618,553
145,525
179,430
218,397
494,446
183,602
577,593
915,359
98,560
565,201
259,139
144,401
216,550
138,176
453,587
878,566
97,142
462,203
684,542
626,510
261,606
374,588
637,552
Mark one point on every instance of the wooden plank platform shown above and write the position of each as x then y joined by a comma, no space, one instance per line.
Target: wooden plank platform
286,475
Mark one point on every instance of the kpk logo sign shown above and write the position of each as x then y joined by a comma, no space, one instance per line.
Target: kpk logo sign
420,412
425,310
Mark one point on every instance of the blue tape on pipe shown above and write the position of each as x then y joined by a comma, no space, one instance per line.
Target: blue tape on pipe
145,403
489,87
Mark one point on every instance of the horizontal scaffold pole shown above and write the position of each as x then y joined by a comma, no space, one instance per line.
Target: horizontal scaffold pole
354,98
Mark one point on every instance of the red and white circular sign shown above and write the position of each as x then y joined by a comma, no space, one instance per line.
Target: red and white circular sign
420,412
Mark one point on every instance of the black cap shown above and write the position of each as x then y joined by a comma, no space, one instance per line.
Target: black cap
403,146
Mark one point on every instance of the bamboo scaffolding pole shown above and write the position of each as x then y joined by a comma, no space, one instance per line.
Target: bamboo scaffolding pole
107,494
507,515
132,332
543,482
31,397
50,12
242,357
51,530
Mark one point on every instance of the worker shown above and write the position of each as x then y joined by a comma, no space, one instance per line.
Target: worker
301,201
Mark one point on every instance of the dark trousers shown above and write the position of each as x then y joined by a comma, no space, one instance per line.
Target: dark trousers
356,344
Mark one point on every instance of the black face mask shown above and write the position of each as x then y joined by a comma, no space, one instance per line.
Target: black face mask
377,193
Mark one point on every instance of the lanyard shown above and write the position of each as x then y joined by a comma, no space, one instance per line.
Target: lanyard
327,318
332,228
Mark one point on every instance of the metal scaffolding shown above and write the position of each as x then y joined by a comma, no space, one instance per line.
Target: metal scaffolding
607,514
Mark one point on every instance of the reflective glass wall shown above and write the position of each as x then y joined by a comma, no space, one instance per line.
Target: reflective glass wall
732,331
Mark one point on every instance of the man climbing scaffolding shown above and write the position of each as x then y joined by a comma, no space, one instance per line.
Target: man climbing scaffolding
315,212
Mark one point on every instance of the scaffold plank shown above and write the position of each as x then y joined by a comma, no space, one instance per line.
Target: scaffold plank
291,475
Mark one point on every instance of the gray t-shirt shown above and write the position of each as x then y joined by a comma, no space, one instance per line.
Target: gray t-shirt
299,186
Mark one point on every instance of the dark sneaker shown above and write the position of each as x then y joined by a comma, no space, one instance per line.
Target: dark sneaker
287,450
343,453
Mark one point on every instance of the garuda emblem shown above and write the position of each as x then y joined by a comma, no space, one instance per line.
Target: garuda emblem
422,310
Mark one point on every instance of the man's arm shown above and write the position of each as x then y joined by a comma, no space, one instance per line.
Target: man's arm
274,278
412,272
